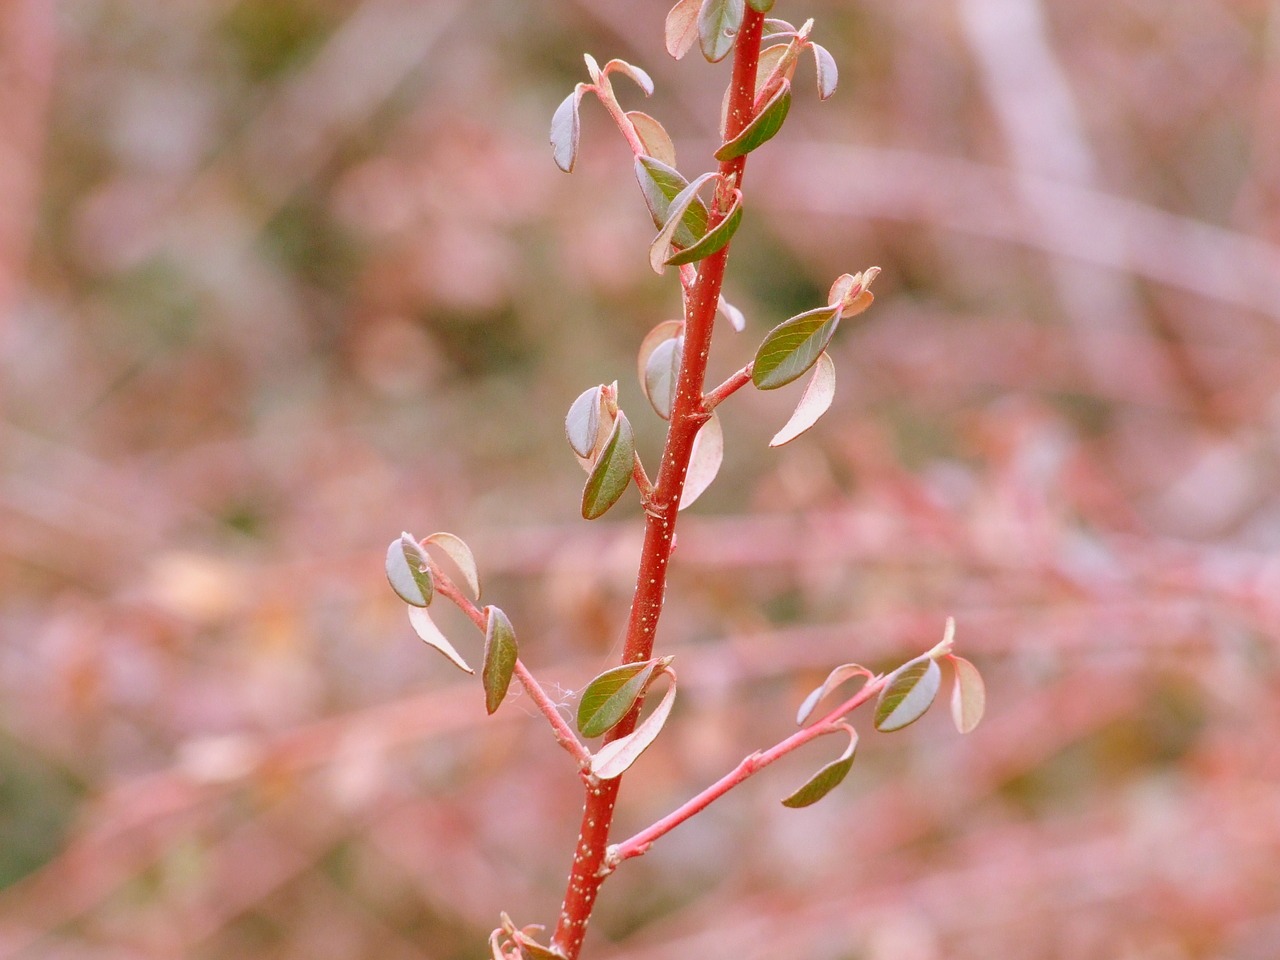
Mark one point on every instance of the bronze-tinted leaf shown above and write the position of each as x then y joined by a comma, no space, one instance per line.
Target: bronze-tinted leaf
611,474
641,78
458,551
814,402
654,136
426,628
682,27
500,654
409,571
704,461
846,671
969,696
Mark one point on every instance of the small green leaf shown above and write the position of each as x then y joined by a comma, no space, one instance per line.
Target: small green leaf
704,461
565,130
660,248
760,6
814,402
500,653
458,551
409,571
614,758
654,136
682,27
718,24
426,628
846,671
828,778
715,239
763,126
642,79
583,422
908,694
611,473
968,697
792,347
660,184
662,375
610,696
828,74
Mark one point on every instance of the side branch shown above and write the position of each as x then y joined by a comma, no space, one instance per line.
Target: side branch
727,389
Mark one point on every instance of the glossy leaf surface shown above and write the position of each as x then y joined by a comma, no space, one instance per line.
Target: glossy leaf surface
409,571
814,402
908,694
763,126
660,248
426,628
458,551
828,778
846,671
654,136
566,129
612,471
662,374
611,695
660,184
681,31
614,758
718,24
968,696
583,421
715,239
792,347
704,461
500,653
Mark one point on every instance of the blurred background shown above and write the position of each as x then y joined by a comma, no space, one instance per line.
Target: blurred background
281,278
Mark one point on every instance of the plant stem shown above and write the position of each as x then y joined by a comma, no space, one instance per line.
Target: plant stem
731,386
687,416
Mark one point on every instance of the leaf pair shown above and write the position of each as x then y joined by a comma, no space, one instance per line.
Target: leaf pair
500,651
409,573
675,225
601,437
566,124
911,689
610,697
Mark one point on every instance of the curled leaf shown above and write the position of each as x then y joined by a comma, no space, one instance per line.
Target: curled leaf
610,696
611,474
662,375
828,74
654,136
732,314
908,693
409,571
704,461
718,24
458,551
715,239
660,248
583,422
682,27
828,778
968,696
846,671
763,126
793,346
500,654
614,758
661,184
641,78
666,330
814,402
566,129
425,628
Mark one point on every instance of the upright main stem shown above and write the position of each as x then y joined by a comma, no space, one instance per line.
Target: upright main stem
687,416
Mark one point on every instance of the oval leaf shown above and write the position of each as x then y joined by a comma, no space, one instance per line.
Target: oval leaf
828,74
908,693
500,653
792,347
662,374
613,759
660,248
565,130
612,471
968,697
732,314
814,402
660,184
666,330
458,551
682,27
654,136
846,671
828,778
715,239
583,421
409,571
704,461
763,126
425,628
718,23
641,78
610,696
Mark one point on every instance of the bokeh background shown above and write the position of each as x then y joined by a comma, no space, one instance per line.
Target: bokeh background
281,278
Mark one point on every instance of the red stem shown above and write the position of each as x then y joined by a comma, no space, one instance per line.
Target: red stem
687,416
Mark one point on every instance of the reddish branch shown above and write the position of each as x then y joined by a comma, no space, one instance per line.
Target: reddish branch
689,413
